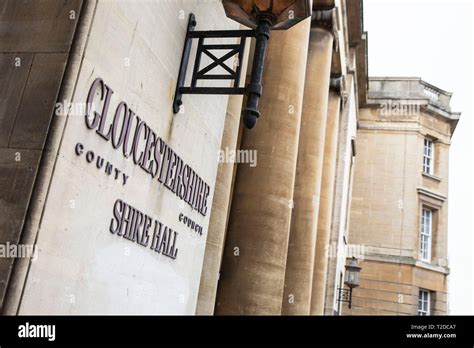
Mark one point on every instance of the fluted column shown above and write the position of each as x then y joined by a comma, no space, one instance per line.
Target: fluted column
304,221
253,267
325,205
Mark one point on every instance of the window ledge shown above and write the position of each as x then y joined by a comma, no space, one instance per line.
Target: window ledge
431,266
434,177
432,194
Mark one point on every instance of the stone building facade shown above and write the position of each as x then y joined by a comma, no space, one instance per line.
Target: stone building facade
399,201
130,208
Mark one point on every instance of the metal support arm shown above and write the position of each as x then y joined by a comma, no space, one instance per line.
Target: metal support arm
253,90
345,295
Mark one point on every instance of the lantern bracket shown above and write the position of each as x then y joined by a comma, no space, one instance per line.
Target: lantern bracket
345,295
203,73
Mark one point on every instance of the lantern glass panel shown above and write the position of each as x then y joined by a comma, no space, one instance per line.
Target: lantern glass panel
351,277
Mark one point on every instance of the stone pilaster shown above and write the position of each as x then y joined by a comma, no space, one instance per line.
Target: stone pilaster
342,198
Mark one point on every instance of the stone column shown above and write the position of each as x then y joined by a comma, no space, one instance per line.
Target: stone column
253,266
220,203
304,220
325,205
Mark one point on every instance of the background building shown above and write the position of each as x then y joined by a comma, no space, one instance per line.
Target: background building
399,203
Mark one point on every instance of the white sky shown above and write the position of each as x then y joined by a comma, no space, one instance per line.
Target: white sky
433,39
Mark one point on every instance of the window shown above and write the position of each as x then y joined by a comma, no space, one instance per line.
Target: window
428,157
426,233
423,302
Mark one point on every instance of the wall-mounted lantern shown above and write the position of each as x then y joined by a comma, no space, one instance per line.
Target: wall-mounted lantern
351,279
261,16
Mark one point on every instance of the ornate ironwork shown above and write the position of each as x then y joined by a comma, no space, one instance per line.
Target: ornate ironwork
209,50
345,295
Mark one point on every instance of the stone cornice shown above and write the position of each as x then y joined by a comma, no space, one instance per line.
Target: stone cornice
404,257
412,90
435,195
401,125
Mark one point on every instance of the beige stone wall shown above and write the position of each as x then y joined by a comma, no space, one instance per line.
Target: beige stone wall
388,195
35,45
81,267
392,289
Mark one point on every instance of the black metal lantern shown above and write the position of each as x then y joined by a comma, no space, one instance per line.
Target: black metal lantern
351,280
284,13
260,15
